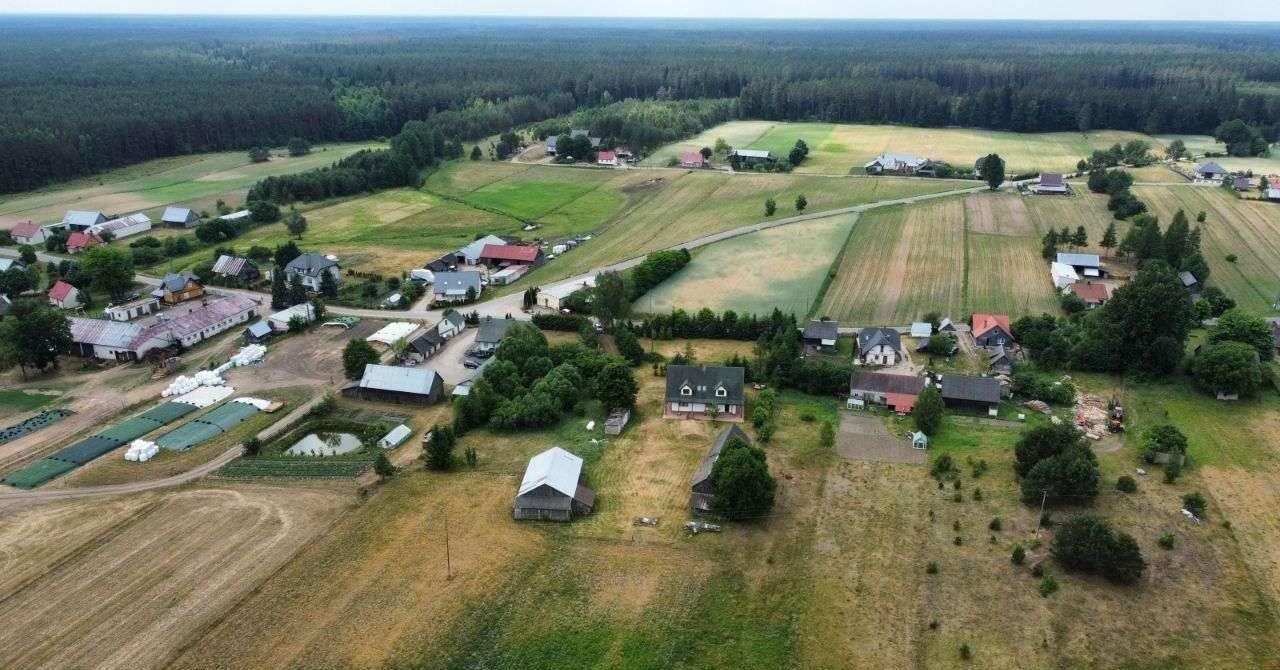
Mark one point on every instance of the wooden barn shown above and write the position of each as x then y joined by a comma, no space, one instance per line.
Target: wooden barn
703,490
550,489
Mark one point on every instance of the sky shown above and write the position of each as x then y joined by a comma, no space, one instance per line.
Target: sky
853,9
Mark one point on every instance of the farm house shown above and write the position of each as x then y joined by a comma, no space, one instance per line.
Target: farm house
879,346
1051,183
551,490
387,383
699,392
702,496
820,334
991,330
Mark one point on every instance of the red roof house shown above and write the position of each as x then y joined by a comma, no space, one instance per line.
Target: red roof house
992,330
692,159
64,295
606,158
1092,294
27,232
510,254
78,242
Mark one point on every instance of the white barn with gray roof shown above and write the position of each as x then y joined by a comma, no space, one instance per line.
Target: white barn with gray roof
551,490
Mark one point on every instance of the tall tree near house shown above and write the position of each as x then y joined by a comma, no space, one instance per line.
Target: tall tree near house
286,253
1177,240
355,356
1109,237
328,285
616,387
929,411
611,298
439,452
993,171
1176,150
279,289
34,336
744,489
295,223
109,269
706,153
1080,238
297,291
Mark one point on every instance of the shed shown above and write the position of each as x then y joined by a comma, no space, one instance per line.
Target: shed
280,320
921,329
1063,275
821,333
180,217
616,421
1189,281
703,489
1000,361
965,392
1086,265
508,274
551,490
388,383
919,440
258,333
946,326
397,435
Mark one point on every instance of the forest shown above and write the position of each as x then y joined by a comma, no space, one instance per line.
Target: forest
88,93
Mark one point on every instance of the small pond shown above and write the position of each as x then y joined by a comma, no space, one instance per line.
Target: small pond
325,444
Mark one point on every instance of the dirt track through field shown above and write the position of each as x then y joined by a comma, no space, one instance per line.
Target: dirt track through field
132,595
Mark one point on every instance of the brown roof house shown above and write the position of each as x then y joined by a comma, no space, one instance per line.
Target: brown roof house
992,330
897,392
176,288
704,392
551,489
703,490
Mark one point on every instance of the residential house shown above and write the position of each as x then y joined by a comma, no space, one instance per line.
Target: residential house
76,220
692,159
181,217
608,158
452,287
972,393
425,345
27,232
235,268
921,329
749,158
79,241
134,309
1063,275
259,332
879,346
991,330
490,333
176,288
897,392
64,296
1051,183
470,254
1189,282
820,335
901,164
122,227
1093,295
553,296
451,323
1000,362
281,320
312,268
1242,184
701,392
1211,171
502,255
703,491
387,383
1085,265
552,490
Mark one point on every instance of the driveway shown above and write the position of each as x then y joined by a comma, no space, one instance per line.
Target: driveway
448,361
863,437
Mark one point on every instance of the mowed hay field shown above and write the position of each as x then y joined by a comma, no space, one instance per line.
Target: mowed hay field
1199,145
841,148
955,255
126,583
781,268
196,182
1249,229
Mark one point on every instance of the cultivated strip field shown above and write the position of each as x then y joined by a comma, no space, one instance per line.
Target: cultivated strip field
188,181
129,587
781,267
1249,229
841,148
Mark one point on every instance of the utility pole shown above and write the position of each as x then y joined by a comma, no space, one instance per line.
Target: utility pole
1043,496
448,562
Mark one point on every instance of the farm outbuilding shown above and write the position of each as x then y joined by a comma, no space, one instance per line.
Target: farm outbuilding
1085,265
258,333
131,310
122,227
897,392
820,334
551,490
1051,183
79,220
387,383
179,217
703,491
1211,171
974,393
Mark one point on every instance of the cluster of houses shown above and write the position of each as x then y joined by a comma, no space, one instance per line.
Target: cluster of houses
1211,172
604,157
90,228
462,275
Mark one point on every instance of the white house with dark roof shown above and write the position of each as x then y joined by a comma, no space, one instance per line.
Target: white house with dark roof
1211,171
312,268
879,346
887,163
704,391
179,217
551,489
450,287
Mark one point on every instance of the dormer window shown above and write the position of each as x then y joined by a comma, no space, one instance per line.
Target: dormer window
685,390
721,392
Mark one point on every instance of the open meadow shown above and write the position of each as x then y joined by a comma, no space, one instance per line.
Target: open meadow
844,148
1199,145
196,181
782,268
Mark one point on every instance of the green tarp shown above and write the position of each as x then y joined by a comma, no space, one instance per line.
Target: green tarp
131,429
41,420
229,415
188,435
38,473
87,449
169,411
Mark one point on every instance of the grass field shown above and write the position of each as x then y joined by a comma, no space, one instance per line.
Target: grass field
1198,145
196,181
955,255
839,148
1250,229
781,267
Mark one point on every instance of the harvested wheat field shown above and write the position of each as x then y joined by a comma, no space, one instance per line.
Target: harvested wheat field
141,577
1055,212
997,214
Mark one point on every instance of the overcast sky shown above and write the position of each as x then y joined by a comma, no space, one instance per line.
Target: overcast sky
867,9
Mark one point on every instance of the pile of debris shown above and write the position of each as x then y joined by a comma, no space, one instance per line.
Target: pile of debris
1039,406
1092,415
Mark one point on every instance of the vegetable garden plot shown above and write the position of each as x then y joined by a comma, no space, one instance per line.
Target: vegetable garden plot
37,473
87,449
31,425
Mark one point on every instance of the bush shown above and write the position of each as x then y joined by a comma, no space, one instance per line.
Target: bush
1048,586
1166,541
1228,367
355,356
1195,503
1126,484
569,323
1087,543
996,524
965,652
1019,555
252,446
1163,439
439,451
744,489
931,569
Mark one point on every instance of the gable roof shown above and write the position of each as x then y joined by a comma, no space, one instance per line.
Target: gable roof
703,473
456,283
176,215
882,382
752,153
1090,260
510,252
174,283
60,290
202,317
998,354
1187,278
259,329
79,240
921,329
24,229
985,322
1210,167
1052,180
976,389
692,157
310,265
1090,292
606,156
703,380
869,338
454,317
822,329
103,332
427,342
896,161
474,249
555,468
6,263
116,225
230,265
76,217
491,330
401,380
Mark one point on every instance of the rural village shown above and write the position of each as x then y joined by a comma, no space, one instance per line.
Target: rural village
561,394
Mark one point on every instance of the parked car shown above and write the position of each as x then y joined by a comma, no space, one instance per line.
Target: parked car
470,363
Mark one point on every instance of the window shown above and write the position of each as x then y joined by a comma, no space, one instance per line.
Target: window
721,392
685,390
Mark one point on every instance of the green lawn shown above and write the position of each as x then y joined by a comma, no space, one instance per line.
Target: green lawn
17,402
